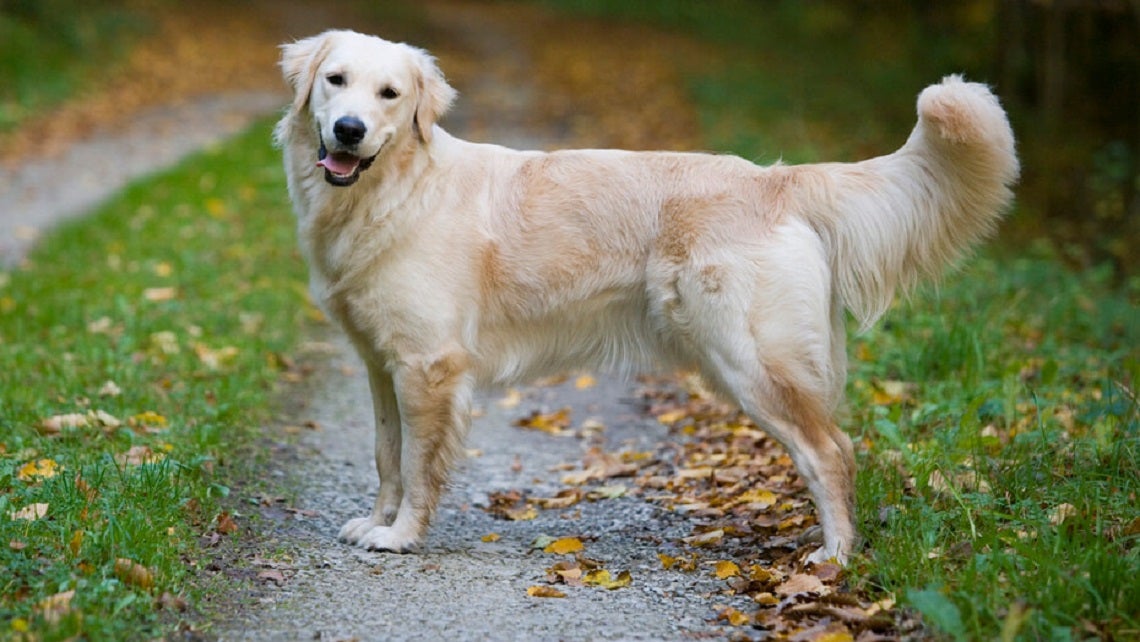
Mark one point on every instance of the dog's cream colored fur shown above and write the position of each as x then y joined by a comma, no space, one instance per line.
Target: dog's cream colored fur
452,264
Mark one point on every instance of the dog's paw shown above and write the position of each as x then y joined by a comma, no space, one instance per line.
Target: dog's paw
366,533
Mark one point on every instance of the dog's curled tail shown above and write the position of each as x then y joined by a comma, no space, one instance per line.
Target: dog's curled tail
897,218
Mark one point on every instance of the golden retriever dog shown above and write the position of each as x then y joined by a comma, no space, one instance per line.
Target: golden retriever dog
452,265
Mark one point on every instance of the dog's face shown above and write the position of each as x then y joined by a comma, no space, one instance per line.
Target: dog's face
364,96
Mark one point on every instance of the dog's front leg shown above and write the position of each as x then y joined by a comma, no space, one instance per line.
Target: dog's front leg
434,408
386,413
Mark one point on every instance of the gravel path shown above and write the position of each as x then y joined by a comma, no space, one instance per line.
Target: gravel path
43,192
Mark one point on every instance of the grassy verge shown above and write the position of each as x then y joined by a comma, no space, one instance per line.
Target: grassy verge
997,416
47,47
139,352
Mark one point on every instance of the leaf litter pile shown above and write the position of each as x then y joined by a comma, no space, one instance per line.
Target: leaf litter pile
752,519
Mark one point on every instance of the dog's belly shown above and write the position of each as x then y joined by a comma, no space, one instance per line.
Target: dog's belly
614,331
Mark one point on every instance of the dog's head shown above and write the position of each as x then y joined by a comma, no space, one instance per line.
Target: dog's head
364,96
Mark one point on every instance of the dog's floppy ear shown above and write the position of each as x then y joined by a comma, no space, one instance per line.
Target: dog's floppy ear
435,95
299,62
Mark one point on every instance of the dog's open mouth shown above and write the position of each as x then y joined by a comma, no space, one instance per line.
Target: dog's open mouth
341,168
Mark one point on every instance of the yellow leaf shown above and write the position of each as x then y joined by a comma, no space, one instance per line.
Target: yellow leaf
564,546
667,561
163,269
726,569
38,468
757,496
491,537
601,577
521,514
734,617
215,207
544,591
671,417
836,636
585,381
885,393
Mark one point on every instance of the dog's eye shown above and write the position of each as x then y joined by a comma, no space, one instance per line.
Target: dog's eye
335,79
389,93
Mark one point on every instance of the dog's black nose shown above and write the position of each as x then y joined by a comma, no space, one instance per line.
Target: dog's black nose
349,130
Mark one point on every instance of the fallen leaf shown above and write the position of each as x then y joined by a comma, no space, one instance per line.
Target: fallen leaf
30,512
733,616
139,455
585,381
272,575
1062,512
526,512
672,417
160,294
226,524
563,499
800,583
606,492
490,537
54,607
555,423
885,393
55,424
544,591
564,546
134,574
110,389
711,538
36,469
726,569
601,577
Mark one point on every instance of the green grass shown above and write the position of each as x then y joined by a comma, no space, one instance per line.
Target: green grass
47,47
194,368
1001,488
996,415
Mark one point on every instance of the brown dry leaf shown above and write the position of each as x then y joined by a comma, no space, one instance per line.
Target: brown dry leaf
564,546
55,424
75,544
567,572
544,591
132,573
55,607
226,524
215,359
160,294
601,577
711,538
800,583
1062,512
139,455
272,575
726,569
563,499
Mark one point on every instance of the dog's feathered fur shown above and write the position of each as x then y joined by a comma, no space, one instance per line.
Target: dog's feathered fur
451,264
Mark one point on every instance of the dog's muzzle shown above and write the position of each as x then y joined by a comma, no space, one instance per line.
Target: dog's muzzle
342,168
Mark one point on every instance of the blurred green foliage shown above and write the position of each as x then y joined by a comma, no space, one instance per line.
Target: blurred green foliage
47,46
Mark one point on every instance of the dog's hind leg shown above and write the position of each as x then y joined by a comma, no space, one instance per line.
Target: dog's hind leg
386,413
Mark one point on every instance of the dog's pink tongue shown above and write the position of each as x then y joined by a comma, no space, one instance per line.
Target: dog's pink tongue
339,163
